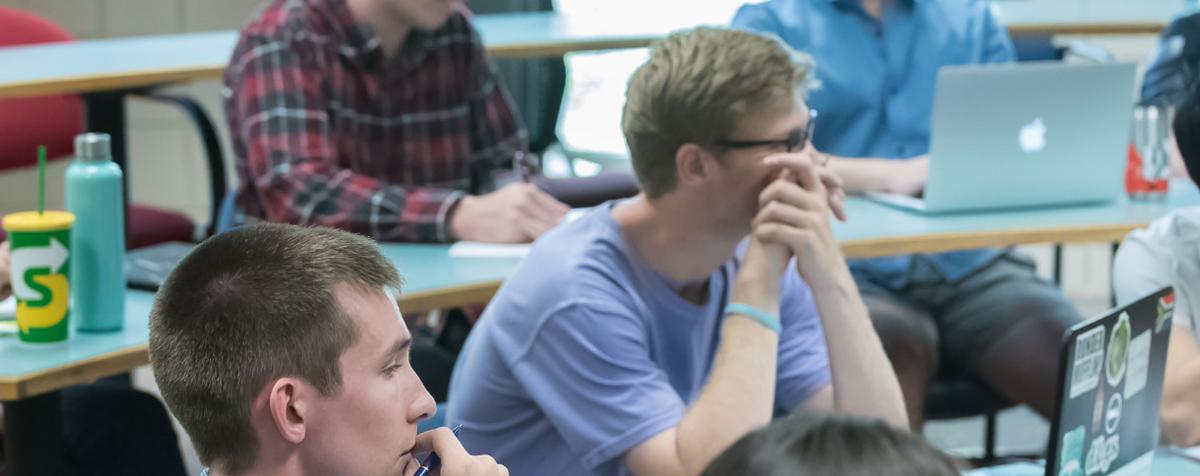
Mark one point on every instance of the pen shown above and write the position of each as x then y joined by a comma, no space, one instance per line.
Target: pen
523,165
432,461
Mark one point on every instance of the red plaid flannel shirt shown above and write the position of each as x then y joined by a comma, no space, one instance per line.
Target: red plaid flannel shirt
326,131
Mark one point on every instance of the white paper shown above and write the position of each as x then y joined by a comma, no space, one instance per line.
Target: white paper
574,214
1139,365
8,308
472,249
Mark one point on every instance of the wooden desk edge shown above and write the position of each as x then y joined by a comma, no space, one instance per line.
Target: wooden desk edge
1094,28
82,372
448,298
136,79
940,242
110,82
104,365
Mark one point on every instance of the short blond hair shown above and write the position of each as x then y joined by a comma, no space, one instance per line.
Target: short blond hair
696,87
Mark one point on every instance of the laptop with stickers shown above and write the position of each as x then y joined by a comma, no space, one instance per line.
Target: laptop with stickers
1108,398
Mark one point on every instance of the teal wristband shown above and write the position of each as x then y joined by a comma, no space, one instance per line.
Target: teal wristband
768,320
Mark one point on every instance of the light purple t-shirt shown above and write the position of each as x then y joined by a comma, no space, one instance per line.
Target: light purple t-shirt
585,352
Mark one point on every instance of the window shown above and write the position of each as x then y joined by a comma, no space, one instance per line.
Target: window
591,117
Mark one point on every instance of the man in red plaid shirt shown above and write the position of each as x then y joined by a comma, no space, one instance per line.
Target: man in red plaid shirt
381,117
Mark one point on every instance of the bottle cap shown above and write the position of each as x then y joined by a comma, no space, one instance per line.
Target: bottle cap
93,146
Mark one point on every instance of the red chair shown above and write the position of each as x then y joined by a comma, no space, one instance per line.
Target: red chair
54,121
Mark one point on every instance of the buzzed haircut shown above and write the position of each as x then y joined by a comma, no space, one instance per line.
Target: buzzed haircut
1187,132
695,88
248,307
815,444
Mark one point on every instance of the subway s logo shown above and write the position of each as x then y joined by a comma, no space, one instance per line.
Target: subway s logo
41,286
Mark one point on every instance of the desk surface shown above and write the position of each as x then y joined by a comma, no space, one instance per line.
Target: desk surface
141,61
874,229
434,280
1086,16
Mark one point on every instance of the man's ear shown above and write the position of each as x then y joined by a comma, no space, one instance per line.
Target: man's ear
289,407
693,165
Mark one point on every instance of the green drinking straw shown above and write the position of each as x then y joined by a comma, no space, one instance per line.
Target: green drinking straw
41,179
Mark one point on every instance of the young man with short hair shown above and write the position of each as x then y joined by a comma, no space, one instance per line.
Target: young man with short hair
381,117
981,315
1167,253
650,334
282,351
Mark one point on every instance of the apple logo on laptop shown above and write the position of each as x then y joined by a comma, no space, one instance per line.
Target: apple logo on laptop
1033,136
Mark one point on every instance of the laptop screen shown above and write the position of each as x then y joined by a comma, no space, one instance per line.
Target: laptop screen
1109,395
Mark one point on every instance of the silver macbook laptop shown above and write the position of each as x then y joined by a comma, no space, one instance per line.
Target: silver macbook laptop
1027,134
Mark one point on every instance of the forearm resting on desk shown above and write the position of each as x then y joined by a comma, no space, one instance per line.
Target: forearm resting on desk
861,175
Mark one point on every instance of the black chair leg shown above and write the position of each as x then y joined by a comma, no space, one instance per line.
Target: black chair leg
989,437
1058,264
1112,290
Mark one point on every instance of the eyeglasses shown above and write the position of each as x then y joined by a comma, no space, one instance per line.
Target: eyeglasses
795,140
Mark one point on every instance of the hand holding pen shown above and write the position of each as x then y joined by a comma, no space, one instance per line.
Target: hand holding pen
447,457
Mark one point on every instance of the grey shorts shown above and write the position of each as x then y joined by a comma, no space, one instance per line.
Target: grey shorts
964,318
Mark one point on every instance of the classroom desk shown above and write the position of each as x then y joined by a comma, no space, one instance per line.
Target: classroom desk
31,377
130,63
1086,17
875,230
105,71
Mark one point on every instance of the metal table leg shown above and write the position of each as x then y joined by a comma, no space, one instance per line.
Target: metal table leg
106,113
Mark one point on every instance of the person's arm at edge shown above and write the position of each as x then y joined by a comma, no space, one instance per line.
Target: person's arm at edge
1139,269
5,285
869,174
1180,407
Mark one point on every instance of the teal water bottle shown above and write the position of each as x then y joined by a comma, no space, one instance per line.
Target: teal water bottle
95,196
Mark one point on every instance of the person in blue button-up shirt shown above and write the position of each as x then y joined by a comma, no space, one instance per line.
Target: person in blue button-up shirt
980,314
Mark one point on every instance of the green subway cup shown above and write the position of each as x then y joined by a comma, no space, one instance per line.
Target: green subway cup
41,266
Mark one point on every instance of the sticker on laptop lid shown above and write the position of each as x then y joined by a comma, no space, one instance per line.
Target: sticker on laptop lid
1112,413
1088,361
1102,454
1118,351
1138,366
1071,455
1166,310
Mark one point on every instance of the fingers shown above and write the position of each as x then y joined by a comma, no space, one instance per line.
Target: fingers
455,459
539,211
802,167
5,288
443,442
533,227
788,192
837,193
777,233
549,203
778,212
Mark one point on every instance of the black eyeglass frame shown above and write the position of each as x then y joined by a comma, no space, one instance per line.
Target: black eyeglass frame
796,139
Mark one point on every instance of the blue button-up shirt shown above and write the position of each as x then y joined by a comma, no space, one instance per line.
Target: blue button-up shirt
877,79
